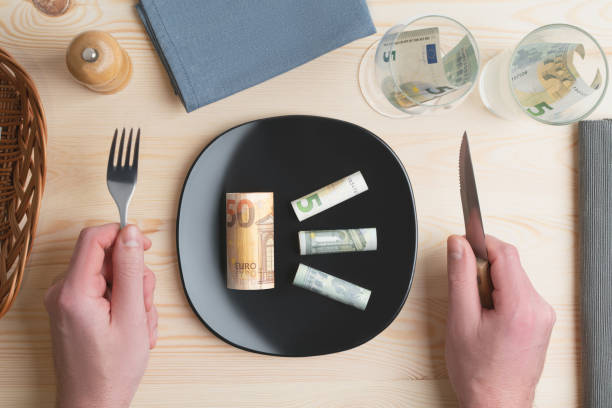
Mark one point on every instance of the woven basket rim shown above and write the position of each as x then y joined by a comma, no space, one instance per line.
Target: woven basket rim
23,174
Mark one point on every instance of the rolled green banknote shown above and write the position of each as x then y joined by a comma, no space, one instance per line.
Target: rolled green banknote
328,196
545,80
339,240
461,63
421,73
329,286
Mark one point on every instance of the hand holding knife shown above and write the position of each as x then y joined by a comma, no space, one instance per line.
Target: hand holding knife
474,230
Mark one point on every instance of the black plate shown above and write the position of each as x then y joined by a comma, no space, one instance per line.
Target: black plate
292,156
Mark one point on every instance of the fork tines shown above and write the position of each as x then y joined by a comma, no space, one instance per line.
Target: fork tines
126,164
121,175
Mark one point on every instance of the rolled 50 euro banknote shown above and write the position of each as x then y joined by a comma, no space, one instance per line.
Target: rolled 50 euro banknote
339,240
250,240
332,287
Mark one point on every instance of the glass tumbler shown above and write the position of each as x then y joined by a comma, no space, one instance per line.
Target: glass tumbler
427,64
557,74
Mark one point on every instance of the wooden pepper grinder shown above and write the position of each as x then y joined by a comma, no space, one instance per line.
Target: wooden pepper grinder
95,59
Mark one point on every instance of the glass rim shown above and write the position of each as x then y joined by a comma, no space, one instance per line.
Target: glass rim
601,51
472,41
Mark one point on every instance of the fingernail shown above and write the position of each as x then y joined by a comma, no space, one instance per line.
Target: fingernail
455,248
131,237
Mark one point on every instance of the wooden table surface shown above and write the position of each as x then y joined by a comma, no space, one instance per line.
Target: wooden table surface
526,173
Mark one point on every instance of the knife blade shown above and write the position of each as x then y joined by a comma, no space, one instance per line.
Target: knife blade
474,230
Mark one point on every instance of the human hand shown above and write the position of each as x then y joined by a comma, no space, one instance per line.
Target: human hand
494,357
101,337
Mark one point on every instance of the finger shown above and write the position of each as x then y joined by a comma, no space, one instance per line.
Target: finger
507,274
88,259
107,267
147,243
464,303
148,283
148,287
127,299
152,325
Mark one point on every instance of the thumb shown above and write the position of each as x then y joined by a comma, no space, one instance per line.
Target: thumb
127,302
464,304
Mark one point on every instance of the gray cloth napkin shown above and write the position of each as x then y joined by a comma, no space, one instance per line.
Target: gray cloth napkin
214,48
595,173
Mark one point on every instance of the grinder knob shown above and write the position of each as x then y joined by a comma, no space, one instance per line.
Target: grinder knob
95,59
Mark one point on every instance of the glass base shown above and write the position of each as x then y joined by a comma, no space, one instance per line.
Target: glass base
494,88
370,89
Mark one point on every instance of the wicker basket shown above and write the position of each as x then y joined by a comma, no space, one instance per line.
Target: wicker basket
22,173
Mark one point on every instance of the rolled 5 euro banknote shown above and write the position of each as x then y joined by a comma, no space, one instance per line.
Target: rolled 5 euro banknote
332,287
339,240
328,196
545,80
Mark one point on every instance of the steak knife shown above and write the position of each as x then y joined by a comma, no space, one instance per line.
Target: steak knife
474,230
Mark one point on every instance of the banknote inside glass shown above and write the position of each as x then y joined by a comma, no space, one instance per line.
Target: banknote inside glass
545,80
418,72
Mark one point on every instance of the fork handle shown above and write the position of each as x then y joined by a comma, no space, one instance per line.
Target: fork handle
123,216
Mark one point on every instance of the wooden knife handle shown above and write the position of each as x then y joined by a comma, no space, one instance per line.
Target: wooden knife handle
485,285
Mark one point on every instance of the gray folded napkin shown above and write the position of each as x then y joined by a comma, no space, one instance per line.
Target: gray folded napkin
214,48
595,178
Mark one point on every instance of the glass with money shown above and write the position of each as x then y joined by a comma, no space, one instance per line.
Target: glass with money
426,65
557,74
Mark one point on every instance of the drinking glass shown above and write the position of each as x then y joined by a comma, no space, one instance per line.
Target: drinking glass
427,64
557,74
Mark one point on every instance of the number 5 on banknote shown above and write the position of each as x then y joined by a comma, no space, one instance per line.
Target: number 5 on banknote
328,196
310,200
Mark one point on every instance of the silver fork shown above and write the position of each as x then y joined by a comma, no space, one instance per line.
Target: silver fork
121,178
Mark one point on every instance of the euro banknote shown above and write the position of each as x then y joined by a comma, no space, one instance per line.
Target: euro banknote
250,240
332,287
339,240
419,73
545,81
329,196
